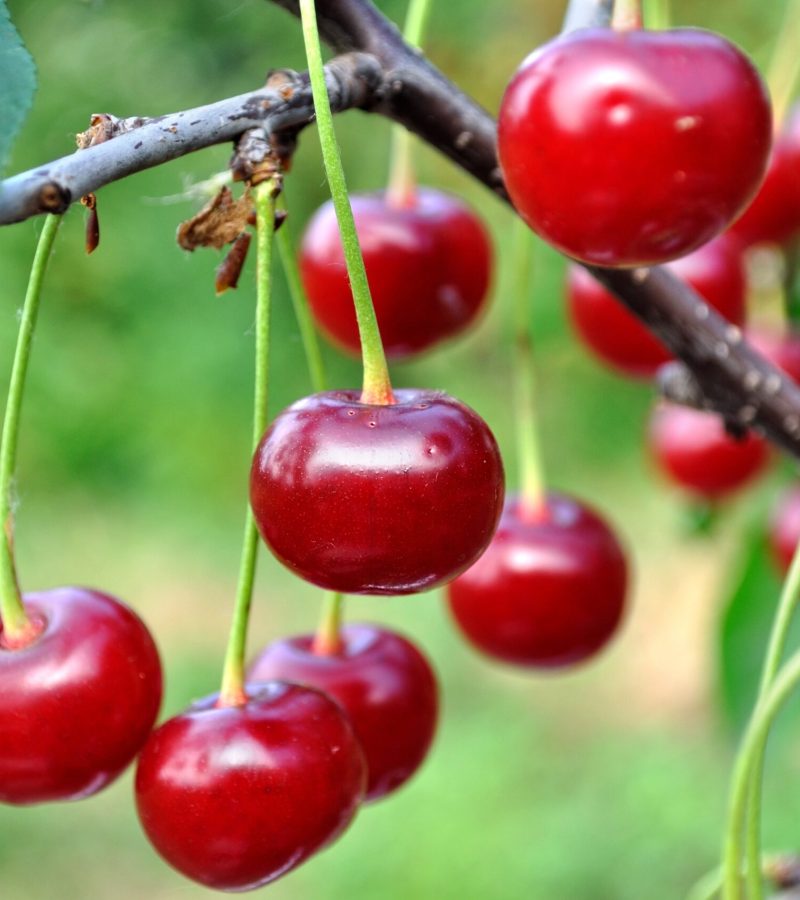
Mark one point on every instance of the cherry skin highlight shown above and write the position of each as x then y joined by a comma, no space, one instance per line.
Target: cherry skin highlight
384,684
79,700
428,264
371,499
236,796
619,339
784,528
630,148
549,592
696,452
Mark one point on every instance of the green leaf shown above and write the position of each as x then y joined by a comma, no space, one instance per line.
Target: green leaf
17,83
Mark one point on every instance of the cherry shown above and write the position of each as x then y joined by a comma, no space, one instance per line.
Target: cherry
774,214
78,700
236,796
715,271
782,348
550,589
696,451
385,685
784,529
428,264
629,148
377,499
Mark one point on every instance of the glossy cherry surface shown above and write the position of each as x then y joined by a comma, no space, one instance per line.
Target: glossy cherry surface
78,702
618,338
369,499
633,148
696,452
774,215
550,589
784,528
385,685
782,348
236,796
428,264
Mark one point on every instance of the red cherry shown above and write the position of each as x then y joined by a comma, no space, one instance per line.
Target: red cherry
428,264
78,702
715,271
633,148
385,685
694,449
784,530
549,591
369,499
774,214
236,796
780,348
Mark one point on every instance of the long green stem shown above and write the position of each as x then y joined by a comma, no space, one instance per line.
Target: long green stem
784,68
327,640
377,387
16,626
402,184
627,15
232,692
657,15
532,488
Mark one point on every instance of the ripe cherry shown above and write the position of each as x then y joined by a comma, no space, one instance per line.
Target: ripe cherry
372,499
696,451
78,700
784,529
550,589
715,271
782,348
428,264
385,685
236,796
629,148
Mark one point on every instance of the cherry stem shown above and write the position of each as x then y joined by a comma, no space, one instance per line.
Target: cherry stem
627,15
402,184
784,67
232,692
16,625
532,482
658,15
327,640
377,388
302,312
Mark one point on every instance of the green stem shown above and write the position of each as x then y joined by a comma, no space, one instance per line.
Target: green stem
377,388
308,333
532,484
658,15
784,68
707,887
627,15
328,641
402,184
16,626
232,692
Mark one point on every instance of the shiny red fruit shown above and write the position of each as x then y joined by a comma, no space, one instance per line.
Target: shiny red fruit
693,448
549,591
369,499
782,348
428,265
774,215
384,684
236,796
633,148
784,530
618,338
78,702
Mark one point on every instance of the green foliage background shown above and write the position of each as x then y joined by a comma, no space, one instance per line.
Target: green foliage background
608,782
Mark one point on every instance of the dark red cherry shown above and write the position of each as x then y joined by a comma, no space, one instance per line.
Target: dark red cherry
370,499
774,215
784,529
697,453
782,348
715,271
385,685
633,148
78,701
428,264
236,796
550,589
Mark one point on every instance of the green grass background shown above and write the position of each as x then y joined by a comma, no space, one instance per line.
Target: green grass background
606,783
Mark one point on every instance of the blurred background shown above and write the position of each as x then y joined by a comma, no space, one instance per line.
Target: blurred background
607,782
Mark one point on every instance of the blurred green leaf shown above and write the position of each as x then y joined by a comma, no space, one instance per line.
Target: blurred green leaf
17,83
